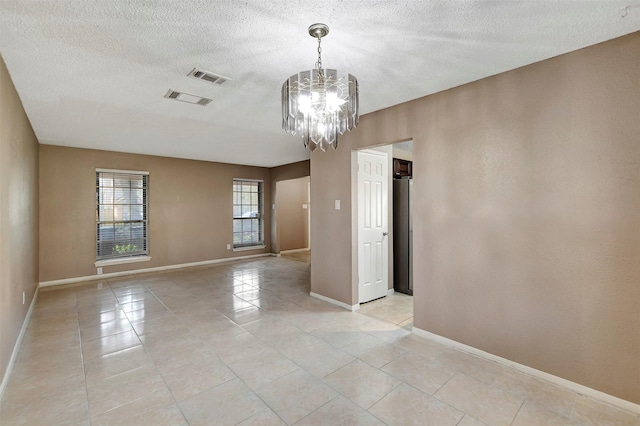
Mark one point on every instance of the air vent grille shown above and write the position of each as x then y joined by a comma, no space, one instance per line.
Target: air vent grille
208,76
187,97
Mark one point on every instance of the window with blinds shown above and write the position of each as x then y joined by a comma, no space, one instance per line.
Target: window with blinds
247,213
122,219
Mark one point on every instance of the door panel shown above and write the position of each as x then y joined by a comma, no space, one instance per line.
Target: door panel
372,225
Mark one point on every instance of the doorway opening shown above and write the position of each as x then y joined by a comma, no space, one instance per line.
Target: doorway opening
396,306
293,218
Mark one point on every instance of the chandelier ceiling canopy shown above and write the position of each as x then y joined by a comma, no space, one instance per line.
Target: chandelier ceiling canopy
319,104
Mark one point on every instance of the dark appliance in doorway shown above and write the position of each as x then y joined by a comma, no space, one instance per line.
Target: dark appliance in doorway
402,235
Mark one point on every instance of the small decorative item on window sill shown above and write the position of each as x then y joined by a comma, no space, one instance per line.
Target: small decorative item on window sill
318,104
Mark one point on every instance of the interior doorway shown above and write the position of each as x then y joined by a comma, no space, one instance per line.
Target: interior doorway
397,306
293,214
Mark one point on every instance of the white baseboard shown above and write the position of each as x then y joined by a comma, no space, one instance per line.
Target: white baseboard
16,347
568,384
351,308
294,251
147,270
390,292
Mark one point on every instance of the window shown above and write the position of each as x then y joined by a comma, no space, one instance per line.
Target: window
247,213
122,220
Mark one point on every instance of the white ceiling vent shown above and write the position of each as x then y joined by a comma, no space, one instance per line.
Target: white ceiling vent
187,97
208,76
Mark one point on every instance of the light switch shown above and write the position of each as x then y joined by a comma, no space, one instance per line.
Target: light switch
304,206
337,204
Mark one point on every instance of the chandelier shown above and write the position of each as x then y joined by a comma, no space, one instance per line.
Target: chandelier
319,104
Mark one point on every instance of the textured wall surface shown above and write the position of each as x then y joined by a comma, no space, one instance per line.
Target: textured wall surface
18,216
190,209
526,229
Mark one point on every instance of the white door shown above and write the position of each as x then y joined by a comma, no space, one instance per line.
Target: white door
373,243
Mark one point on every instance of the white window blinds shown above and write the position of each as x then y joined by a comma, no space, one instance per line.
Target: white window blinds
122,219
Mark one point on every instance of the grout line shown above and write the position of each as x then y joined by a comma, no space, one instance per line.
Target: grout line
84,371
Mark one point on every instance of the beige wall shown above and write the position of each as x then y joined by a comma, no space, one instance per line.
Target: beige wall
526,229
190,214
281,173
292,218
18,216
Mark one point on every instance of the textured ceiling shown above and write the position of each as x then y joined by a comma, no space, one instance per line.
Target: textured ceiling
93,73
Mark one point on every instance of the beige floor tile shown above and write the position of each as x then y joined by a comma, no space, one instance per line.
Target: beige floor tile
240,347
374,351
156,313
320,359
97,331
122,291
30,378
426,375
338,335
92,318
218,333
420,346
532,415
552,397
176,356
124,388
245,316
389,334
362,383
486,403
390,314
45,401
76,414
340,412
295,395
91,301
150,410
141,301
270,327
227,404
406,405
589,412
160,327
105,366
265,417
195,377
109,344
147,297
467,420
290,343
472,366
18,390
263,368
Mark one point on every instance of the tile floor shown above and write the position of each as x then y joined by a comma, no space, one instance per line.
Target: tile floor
244,343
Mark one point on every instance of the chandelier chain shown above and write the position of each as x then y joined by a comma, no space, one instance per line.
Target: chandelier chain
319,63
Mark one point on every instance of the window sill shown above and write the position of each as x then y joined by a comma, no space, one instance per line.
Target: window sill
121,261
257,247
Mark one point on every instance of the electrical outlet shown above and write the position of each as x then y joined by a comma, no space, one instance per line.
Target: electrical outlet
24,297
228,246
99,271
